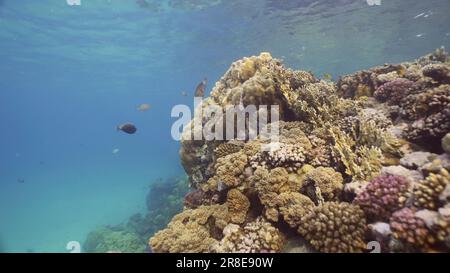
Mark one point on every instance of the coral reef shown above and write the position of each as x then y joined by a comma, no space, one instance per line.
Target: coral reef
363,159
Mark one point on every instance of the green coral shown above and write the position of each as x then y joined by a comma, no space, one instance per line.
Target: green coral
105,240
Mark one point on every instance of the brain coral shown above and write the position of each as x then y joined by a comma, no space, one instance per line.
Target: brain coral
327,180
269,185
238,205
193,230
230,169
293,206
258,236
228,148
382,196
335,227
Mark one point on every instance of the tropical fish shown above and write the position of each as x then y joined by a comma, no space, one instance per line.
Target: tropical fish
200,90
115,151
21,180
419,35
327,76
127,128
144,107
184,93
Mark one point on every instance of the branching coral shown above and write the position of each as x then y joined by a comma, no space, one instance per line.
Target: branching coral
381,197
335,227
255,237
360,162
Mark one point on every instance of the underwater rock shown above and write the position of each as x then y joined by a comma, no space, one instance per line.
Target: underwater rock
416,160
411,175
446,143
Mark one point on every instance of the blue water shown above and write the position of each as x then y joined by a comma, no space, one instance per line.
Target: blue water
70,74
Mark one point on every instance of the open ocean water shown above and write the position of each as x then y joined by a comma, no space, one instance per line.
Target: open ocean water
70,74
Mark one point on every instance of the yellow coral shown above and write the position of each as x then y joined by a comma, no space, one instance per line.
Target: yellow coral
426,193
238,205
335,227
293,206
328,181
230,169
255,237
191,231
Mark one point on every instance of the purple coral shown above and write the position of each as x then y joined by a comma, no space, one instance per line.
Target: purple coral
410,229
393,91
381,196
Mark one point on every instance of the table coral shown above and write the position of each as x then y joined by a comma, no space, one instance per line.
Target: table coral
335,227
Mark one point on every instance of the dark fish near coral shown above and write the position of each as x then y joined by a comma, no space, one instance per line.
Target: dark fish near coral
200,90
127,128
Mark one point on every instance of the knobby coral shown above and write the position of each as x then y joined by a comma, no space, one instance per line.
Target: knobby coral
382,196
335,227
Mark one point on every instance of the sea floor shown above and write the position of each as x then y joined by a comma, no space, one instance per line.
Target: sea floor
43,216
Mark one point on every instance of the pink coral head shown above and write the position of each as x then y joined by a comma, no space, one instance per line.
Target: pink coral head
381,196
394,91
